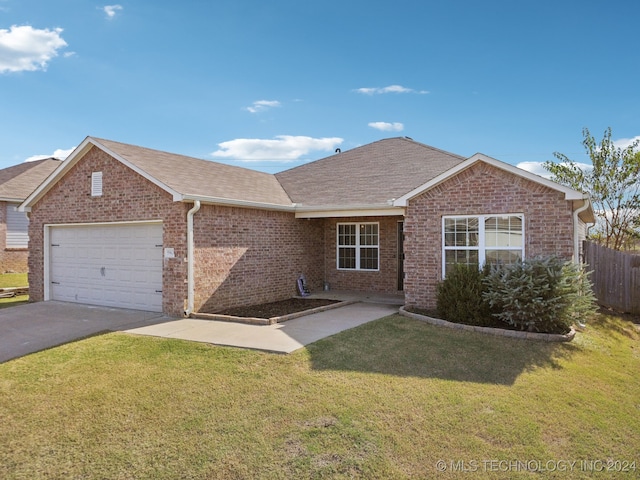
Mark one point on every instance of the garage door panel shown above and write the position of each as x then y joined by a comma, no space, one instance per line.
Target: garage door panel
110,265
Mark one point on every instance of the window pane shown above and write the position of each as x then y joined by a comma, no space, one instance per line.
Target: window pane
462,256
503,257
369,234
503,231
369,258
346,234
346,257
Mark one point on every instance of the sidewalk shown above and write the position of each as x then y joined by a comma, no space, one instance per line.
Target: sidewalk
283,337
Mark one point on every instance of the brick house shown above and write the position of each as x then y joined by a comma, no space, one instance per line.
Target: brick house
16,183
121,225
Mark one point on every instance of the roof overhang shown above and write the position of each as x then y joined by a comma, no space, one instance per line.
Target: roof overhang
569,193
343,211
235,203
11,200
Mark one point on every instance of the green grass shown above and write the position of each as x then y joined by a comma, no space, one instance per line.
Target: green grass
13,280
388,399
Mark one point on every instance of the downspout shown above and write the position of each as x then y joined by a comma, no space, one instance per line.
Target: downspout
190,248
576,223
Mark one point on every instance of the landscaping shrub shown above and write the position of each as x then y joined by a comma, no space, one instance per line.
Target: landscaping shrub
540,294
460,297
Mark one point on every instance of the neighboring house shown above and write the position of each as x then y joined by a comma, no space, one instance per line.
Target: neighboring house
121,225
16,183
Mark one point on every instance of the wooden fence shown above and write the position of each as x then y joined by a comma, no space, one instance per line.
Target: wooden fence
615,277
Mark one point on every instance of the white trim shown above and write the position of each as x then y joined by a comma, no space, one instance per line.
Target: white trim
72,159
357,247
482,247
348,211
569,193
236,203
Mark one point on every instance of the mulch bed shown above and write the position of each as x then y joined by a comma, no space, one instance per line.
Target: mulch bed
277,309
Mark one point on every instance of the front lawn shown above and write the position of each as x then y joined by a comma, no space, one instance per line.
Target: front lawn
8,280
395,398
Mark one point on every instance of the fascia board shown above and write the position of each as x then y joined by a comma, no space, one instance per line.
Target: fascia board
235,203
58,173
72,159
349,211
569,193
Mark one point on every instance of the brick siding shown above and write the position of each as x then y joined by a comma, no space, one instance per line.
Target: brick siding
127,196
247,256
383,281
481,189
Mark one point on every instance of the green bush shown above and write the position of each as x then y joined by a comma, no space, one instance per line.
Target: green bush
460,297
540,294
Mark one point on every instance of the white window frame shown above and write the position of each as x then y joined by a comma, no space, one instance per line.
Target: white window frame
358,247
481,248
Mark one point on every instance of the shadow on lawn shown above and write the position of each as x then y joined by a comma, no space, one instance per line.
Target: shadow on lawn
397,345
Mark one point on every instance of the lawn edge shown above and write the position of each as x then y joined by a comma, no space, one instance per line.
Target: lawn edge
496,332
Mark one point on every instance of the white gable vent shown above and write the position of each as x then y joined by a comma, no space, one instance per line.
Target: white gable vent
96,184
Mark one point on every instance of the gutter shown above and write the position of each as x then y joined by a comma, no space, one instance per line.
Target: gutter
190,248
576,220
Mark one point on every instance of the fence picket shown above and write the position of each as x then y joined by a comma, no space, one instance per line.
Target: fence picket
615,276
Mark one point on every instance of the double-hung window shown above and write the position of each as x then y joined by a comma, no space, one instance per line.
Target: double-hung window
476,240
358,246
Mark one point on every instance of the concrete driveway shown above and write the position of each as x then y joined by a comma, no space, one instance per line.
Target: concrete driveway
33,327
37,326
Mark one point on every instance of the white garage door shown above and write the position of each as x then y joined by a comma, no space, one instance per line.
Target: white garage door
109,265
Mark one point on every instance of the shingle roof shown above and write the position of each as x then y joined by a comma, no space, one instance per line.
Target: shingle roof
371,174
196,177
17,182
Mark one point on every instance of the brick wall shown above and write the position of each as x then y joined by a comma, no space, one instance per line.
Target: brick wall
247,256
126,197
11,260
383,281
481,189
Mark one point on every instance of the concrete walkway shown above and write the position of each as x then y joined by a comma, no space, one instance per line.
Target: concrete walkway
283,337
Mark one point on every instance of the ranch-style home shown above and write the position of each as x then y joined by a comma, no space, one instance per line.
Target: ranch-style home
16,183
125,226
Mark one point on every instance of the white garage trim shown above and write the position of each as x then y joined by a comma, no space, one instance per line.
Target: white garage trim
125,282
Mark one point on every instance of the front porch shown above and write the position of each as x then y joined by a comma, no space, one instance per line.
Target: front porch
366,297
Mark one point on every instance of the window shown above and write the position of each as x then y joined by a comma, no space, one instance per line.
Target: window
17,227
96,184
493,239
358,246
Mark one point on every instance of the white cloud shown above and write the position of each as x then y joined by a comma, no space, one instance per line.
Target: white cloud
538,169
389,89
262,105
626,142
284,148
387,127
60,154
26,48
534,167
111,10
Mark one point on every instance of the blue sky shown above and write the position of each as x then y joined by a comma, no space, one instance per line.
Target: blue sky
269,85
